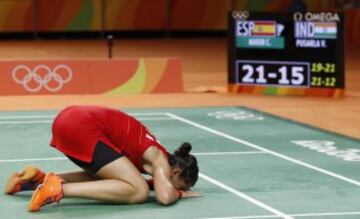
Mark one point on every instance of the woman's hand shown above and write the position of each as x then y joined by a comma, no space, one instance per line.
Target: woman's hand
190,194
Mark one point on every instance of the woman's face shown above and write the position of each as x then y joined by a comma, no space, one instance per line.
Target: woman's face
176,180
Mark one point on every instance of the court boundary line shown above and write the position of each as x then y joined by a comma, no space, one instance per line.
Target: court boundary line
198,154
345,213
26,122
276,154
245,197
228,153
32,159
239,107
35,116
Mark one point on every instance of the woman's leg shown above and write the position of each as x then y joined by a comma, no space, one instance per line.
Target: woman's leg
77,176
120,182
31,177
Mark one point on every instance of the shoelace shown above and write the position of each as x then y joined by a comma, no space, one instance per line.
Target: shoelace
40,187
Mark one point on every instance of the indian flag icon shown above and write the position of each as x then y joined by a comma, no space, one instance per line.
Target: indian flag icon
327,30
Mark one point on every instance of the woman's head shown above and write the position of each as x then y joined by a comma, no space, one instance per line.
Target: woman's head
185,170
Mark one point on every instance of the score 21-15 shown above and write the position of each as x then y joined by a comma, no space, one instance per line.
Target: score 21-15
273,73
283,73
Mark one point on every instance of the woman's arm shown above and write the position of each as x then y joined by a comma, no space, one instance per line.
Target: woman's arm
184,194
158,166
166,194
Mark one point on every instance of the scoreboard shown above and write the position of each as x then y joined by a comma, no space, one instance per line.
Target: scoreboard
286,53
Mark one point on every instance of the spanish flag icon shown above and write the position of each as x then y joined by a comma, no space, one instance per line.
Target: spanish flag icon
264,28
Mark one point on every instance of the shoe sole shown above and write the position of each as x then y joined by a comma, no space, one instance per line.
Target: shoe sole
29,173
11,183
32,208
26,174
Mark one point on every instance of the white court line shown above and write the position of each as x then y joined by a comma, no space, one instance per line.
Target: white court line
198,154
25,122
244,196
293,215
228,153
50,121
54,115
148,114
245,217
155,118
33,159
27,117
215,132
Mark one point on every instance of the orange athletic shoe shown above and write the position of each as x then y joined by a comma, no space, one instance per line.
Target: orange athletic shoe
26,180
49,191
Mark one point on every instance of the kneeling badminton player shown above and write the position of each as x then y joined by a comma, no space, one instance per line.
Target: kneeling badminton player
114,150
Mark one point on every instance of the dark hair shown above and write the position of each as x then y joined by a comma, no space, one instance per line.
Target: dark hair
186,162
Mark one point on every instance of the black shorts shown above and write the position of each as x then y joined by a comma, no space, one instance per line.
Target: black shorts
102,156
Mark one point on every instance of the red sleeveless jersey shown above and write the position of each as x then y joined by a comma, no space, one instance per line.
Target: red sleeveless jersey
77,129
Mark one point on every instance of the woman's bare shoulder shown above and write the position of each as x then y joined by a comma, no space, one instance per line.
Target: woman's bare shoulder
153,158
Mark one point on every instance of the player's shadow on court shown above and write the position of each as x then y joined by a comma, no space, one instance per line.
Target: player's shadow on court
83,202
22,196
71,207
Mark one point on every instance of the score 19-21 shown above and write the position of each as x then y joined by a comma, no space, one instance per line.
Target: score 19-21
323,74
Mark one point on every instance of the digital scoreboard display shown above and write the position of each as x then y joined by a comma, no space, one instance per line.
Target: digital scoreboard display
286,54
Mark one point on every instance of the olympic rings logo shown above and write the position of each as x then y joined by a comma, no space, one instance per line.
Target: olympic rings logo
42,76
240,15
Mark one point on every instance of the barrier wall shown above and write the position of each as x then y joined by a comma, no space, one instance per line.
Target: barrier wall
136,15
118,76
69,15
16,16
201,15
